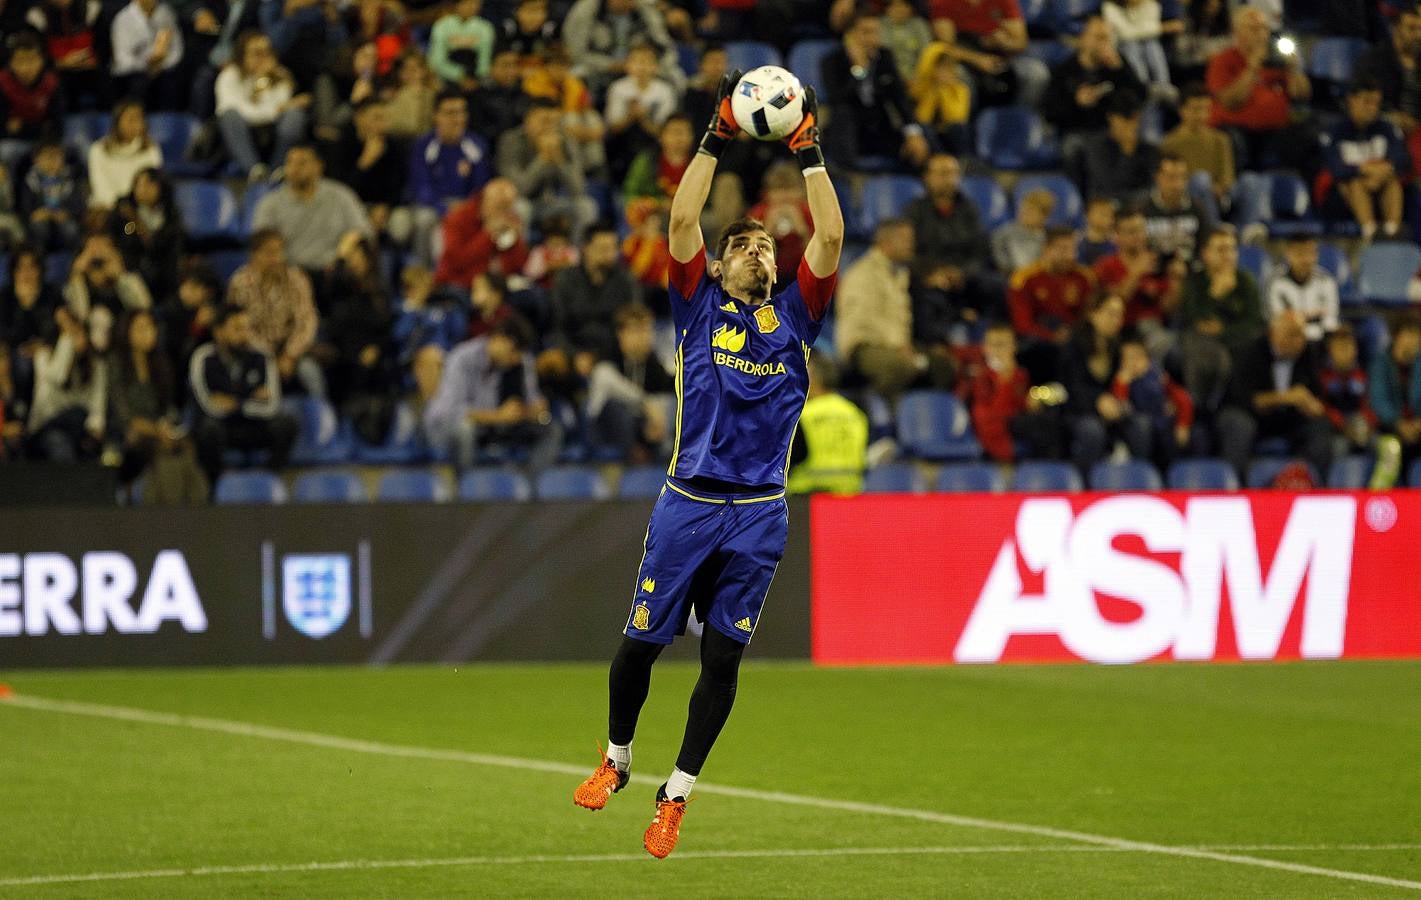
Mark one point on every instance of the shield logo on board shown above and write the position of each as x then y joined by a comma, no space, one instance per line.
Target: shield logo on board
315,592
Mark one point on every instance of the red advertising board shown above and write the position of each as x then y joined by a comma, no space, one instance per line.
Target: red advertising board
1115,578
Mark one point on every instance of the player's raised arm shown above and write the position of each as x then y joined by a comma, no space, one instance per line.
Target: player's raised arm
685,225
822,254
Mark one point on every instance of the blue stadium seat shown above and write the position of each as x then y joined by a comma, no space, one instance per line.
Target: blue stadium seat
250,198
885,197
494,484
320,439
571,483
1413,475
1278,200
249,487
1070,13
1131,475
174,133
411,486
806,60
935,425
893,478
1052,53
986,194
1040,17
747,55
1069,209
208,210
1334,259
1332,60
1386,269
1263,470
1350,472
83,129
1202,474
1255,260
331,486
1042,476
689,58
402,446
850,254
641,482
225,262
1014,137
971,478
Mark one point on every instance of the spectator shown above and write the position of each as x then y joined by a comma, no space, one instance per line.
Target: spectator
1174,221
830,449
1117,164
259,113
1273,393
1394,387
446,166
1097,418
1219,312
426,373
116,158
870,106
558,251
52,198
1046,300
67,28
1393,65
488,295
942,100
147,52
374,165
238,395
12,230
358,353
1136,273
187,315
699,100
1203,147
655,174
99,277
1207,31
647,254
542,163
412,97
1147,392
499,102
303,33
601,33
586,297
873,331
629,392
905,34
488,398
581,122
784,208
1343,391
1367,159
1097,241
1005,415
381,23
637,105
144,398
530,30
1305,288
1075,100
461,45
14,409
1018,244
420,320
1254,89
484,234
69,410
30,95
992,38
312,213
27,308
353,78
1137,27
148,231
951,252
281,319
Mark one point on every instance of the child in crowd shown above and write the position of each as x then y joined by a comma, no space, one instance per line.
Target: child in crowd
1305,287
1344,390
1366,160
1203,147
461,45
412,100
420,322
30,98
1018,244
1099,238
1147,389
942,100
1004,412
52,199
648,254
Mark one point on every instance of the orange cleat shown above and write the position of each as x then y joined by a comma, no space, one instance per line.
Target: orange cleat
665,828
600,785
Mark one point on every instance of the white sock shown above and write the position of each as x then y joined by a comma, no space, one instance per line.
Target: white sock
620,755
679,784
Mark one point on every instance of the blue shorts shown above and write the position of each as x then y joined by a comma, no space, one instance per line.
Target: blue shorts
716,553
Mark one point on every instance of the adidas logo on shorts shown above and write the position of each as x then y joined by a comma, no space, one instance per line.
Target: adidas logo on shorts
744,625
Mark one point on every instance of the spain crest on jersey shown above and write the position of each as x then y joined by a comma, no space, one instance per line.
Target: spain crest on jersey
641,617
766,319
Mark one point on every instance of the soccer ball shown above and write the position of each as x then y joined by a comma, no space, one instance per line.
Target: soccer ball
768,103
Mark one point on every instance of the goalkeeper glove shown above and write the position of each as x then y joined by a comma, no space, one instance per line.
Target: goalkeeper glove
723,127
804,140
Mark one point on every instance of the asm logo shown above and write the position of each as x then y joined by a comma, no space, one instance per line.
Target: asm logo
727,338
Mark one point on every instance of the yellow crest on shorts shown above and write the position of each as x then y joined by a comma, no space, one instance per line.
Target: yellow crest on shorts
767,320
641,617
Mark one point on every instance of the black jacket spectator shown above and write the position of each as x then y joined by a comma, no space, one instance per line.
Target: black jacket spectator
870,113
148,231
584,297
381,182
950,235
1060,107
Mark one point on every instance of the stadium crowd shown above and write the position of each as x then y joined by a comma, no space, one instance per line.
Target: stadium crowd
403,232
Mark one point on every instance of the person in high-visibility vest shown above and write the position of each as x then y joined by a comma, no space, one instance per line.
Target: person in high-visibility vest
830,450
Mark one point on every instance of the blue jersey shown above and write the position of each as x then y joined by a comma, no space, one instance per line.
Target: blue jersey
742,373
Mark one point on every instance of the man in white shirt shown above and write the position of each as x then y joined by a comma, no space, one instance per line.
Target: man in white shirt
147,50
1304,287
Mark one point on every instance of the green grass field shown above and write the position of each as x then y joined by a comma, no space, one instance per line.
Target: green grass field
1290,780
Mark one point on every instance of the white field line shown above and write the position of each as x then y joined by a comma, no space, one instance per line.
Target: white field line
334,742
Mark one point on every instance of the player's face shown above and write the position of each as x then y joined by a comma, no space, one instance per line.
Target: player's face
749,264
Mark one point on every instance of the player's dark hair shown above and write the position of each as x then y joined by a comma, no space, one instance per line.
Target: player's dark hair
744,225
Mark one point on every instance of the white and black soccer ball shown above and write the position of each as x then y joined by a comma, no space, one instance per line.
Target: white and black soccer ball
768,103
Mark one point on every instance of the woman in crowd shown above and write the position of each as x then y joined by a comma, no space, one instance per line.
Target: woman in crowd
148,231
258,107
116,159
67,416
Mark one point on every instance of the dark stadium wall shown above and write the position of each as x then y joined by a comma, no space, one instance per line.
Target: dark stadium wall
386,583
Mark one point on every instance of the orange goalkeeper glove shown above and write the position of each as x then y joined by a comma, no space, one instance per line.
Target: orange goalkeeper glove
723,128
804,140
